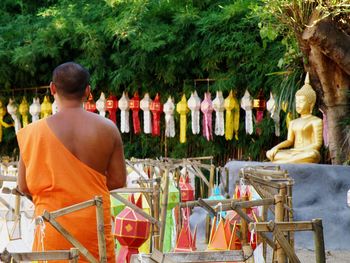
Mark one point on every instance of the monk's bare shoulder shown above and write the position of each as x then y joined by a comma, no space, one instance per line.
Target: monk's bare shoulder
104,125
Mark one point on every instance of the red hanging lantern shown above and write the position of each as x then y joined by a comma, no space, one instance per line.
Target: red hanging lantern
134,105
90,105
187,191
260,105
156,109
111,107
131,230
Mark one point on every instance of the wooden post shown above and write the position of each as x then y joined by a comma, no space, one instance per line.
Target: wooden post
290,219
151,205
100,230
319,240
244,224
69,237
156,215
283,192
283,242
211,179
227,184
264,218
290,212
279,216
164,209
74,253
248,254
207,228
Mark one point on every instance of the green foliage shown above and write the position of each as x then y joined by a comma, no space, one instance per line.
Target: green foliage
154,46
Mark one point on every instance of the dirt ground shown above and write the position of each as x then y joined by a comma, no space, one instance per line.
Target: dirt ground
308,256
335,256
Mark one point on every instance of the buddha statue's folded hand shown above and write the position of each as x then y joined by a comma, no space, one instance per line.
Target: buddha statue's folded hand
271,153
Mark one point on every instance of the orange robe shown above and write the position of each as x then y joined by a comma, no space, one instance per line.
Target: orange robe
56,179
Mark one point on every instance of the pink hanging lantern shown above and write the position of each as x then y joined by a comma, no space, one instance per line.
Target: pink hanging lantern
207,110
260,105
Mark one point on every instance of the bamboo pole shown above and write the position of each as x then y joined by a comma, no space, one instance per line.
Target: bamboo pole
228,203
156,216
283,242
164,206
248,253
290,219
319,240
264,218
136,209
227,183
102,251
244,225
8,178
74,255
69,237
279,216
130,190
283,226
211,179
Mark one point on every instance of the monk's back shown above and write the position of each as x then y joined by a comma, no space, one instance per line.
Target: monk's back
88,136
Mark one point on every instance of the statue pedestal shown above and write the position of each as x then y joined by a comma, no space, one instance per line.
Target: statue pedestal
320,191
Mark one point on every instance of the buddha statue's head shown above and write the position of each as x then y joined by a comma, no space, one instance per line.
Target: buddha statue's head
305,97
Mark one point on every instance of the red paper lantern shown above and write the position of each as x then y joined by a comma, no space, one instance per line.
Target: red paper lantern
131,230
186,241
156,109
187,191
111,107
134,105
90,105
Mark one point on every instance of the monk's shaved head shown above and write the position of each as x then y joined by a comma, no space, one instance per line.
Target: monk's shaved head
71,80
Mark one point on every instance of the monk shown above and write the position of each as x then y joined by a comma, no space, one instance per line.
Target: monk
68,158
304,133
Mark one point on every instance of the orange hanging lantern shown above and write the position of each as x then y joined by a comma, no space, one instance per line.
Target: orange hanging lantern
90,105
131,230
111,107
235,242
186,189
134,105
156,109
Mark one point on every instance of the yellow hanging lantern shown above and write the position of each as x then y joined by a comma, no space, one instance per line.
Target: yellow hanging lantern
182,109
2,123
232,116
46,107
24,110
229,104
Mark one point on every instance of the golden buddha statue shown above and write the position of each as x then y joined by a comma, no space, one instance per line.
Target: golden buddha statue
304,133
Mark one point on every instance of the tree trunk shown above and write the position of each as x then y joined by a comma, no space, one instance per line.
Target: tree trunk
329,67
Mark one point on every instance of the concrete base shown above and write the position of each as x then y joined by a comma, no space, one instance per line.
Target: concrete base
320,191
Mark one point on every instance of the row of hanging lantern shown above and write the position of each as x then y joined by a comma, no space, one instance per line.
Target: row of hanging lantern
152,110
228,107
